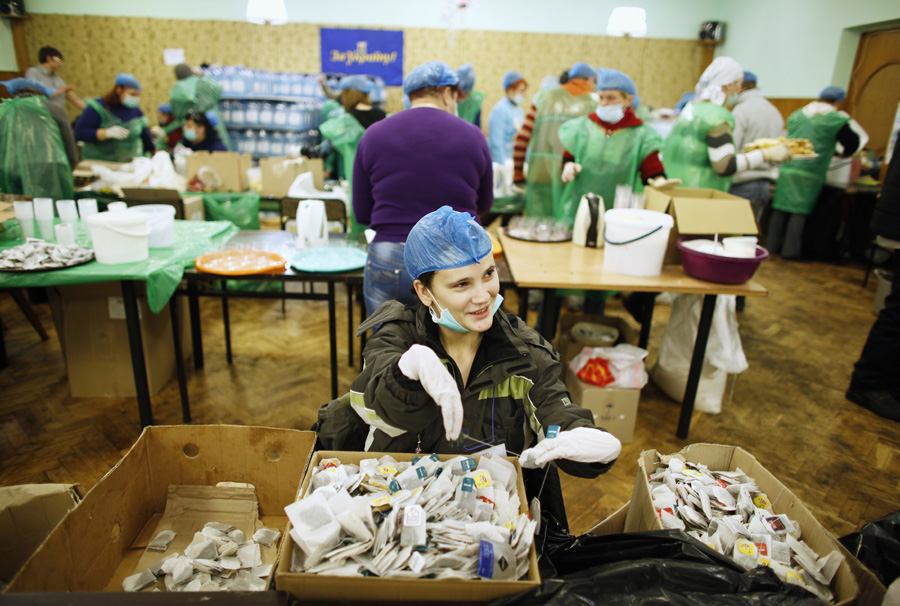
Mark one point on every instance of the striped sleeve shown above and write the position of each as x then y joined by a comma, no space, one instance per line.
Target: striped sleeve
520,146
722,155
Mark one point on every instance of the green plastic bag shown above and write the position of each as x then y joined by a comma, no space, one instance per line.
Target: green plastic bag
32,156
344,132
242,209
194,92
115,150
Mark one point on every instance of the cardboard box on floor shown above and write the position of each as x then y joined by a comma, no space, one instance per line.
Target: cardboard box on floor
93,335
230,166
568,348
701,212
27,515
852,578
278,173
314,587
102,541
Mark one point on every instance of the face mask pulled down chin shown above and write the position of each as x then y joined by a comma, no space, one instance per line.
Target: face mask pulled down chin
446,318
611,114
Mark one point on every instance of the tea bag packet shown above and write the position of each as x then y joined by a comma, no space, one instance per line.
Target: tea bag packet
157,567
412,532
460,466
465,496
249,555
496,561
201,548
315,528
412,478
161,541
139,581
745,554
266,536
502,472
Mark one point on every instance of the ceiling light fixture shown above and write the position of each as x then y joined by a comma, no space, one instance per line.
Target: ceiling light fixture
627,21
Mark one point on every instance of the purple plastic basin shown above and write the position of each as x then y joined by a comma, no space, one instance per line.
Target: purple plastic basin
718,268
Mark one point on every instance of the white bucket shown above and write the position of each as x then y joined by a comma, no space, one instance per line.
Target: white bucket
119,237
636,241
161,221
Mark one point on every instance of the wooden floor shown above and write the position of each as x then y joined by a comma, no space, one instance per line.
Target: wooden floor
788,409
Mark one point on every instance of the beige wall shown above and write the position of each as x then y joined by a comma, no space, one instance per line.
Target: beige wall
97,48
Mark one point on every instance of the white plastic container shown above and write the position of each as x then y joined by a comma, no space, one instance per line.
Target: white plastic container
119,237
740,246
636,241
161,221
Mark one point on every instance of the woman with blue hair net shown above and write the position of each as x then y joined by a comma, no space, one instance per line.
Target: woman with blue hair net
468,106
199,131
113,127
507,117
411,164
355,97
454,374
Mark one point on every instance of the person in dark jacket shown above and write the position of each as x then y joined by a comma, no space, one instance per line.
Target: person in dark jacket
875,383
199,131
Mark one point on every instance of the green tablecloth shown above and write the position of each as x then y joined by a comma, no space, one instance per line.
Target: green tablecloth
509,205
162,270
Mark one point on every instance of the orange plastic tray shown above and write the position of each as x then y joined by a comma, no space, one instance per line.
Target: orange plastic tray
240,262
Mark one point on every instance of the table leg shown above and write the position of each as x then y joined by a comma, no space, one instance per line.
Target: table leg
647,306
136,343
226,321
196,332
332,340
690,390
548,315
179,360
523,303
349,325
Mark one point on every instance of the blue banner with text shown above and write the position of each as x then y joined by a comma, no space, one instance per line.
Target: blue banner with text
370,52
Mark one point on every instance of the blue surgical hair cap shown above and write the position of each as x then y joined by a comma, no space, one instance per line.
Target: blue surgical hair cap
433,73
444,239
613,79
833,92
128,80
466,75
582,70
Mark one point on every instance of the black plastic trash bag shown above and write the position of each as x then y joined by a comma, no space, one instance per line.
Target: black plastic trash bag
877,545
655,567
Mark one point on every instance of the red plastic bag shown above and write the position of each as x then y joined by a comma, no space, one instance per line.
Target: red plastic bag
596,372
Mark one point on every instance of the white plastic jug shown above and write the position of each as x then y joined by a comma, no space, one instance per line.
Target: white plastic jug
161,221
636,241
312,230
119,237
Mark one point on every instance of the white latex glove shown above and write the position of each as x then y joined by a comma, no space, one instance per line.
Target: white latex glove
570,171
421,364
663,183
157,131
582,444
777,154
116,132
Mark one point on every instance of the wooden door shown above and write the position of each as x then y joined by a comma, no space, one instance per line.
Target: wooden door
875,85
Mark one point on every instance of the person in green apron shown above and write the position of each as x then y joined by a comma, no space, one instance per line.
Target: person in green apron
355,97
468,106
700,148
607,148
33,154
332,161
801,180
198,93
539,135
113,127
344,132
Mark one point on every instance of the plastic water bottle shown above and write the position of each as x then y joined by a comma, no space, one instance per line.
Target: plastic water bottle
240,82
250,142
267,115
276,143
238,113
225,111
297,85
251,117
294,115
281,115
262,143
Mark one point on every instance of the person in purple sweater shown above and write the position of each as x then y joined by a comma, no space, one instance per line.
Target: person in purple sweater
113,127
411,164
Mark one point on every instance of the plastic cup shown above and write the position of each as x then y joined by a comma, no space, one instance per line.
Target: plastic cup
740,246
68,213
87,207
65,234
43,209
115,207
25,215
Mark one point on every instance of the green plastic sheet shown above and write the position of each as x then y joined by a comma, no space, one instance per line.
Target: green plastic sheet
242,208
162,271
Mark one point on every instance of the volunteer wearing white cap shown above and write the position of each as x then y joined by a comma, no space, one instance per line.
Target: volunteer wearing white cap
507,117
113,127
468,105
700,148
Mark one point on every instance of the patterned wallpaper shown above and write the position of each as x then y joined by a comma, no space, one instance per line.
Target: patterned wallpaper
97,48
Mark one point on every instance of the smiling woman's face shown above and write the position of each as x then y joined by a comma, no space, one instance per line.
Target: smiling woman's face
466,292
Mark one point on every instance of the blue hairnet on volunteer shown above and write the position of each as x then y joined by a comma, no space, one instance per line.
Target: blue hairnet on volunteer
128,80
165,108
406,102
510,78
749,77
466,75
444,239
582,70
433,73
213,118
360,83
613,79
636,102
833,92
17,84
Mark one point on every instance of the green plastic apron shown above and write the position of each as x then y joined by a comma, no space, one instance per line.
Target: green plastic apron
800,181
607,160
344,132
115,150
545,187
469,108
686,153
198,93
33,158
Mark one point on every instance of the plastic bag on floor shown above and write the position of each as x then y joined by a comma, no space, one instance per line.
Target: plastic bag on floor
655,567
624,362
724,353
877,545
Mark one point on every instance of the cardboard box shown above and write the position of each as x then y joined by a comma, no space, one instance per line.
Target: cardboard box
27,515
230,166
93,335
614,409
852,578
278,174
313,587
568,348
194,208
701,212
101,542
139,196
